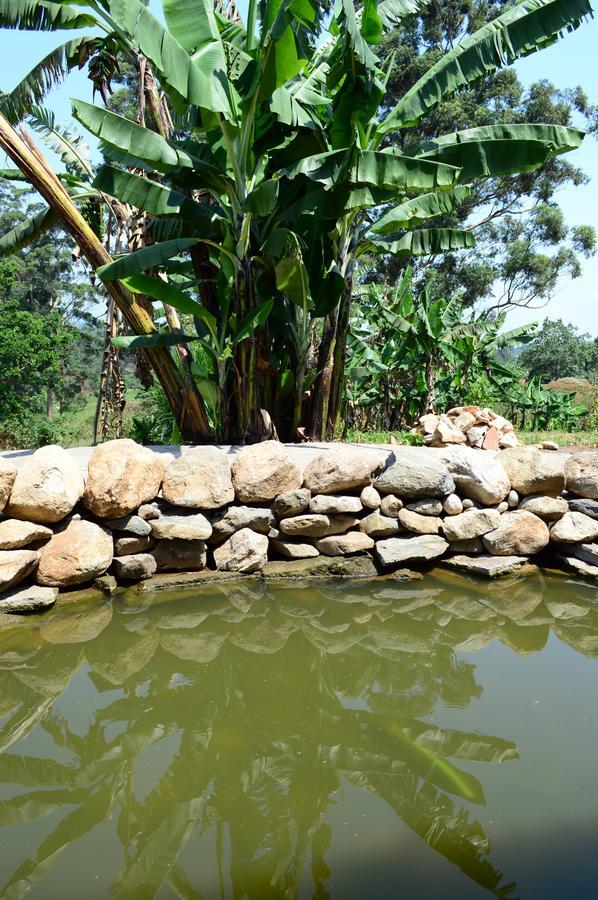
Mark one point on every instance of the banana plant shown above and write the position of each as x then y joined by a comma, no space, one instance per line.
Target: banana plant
277,181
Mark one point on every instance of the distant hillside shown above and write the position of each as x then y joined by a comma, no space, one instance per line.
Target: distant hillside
585,391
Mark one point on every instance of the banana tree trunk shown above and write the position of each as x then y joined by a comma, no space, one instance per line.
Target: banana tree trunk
180,391
430,395
326,401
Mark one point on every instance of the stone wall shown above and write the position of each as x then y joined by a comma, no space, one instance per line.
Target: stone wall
138,512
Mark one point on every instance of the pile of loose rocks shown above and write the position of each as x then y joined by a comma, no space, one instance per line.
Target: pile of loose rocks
473,426
139,512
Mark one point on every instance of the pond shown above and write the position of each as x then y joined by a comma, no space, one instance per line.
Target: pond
427,739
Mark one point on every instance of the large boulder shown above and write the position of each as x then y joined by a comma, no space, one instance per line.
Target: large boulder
478,476
471,524
581,475
263,471
343,469
534,471
246,551
200,478
76,555
15,565
8,474
47,487
419,548
415,472
185,527
574,528
14,534
519,533
121,476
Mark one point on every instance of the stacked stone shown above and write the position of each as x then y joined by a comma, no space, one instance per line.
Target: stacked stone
469,425
139,512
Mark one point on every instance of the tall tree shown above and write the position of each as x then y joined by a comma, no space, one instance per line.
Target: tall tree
523,244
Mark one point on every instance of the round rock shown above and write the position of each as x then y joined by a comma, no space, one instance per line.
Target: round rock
574,528
534,471
581,475
47,487
370,498
76,555
551,509
415,472
519,533
263,471
121,476
246,551
199,478
343,469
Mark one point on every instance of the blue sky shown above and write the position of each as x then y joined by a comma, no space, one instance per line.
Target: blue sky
568,63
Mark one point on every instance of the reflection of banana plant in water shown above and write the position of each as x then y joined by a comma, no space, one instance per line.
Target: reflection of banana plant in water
251,708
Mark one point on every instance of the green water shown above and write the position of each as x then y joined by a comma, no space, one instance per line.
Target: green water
432,739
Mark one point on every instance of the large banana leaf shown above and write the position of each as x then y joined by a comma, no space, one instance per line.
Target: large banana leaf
411,212
68,145
487,159
154,198
40,79
424,242
146,258
13,175
192,22
560,138
377,169
161,339
202,81
519,31
26,232
169,294
32,15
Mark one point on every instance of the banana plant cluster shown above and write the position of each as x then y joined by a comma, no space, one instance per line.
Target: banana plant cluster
410,354
282,172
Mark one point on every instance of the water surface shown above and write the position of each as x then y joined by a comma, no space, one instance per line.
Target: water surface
431,739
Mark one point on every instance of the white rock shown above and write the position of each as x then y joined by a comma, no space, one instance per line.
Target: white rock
327,504
471,524
344,544
15,534
343,469
263,471
190,527
200,478
519,533
121,476
47,487
513,499
15,565
379,526
478,476
76,555
418,524
394,551
306,525
534,471
581,475
370,498
415,472
28,600
452,505
574,528
246,551
8,473
551,509
293,549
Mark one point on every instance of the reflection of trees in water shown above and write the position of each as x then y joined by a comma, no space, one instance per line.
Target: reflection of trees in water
270,703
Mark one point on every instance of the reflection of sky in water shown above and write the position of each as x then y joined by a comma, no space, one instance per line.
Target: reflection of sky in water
324,741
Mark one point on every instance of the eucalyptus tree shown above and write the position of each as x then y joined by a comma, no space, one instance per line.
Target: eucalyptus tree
277,180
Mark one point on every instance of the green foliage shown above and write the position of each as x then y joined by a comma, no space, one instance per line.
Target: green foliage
560,351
